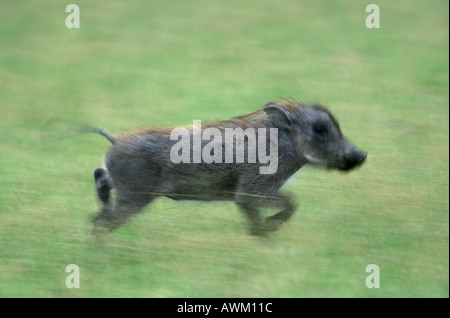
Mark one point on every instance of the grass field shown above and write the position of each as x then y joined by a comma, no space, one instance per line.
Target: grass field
136,63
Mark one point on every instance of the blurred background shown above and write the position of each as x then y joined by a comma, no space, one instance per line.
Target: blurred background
140,62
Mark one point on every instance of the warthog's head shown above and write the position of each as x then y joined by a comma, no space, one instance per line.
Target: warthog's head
316,135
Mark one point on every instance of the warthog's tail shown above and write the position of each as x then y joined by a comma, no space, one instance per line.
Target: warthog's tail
69,129
99,131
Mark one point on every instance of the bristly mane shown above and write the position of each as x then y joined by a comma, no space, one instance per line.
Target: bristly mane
292,105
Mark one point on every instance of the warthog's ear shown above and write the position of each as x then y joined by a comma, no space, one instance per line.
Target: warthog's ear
279,114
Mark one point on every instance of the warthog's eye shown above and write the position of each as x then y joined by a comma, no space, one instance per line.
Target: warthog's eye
320,130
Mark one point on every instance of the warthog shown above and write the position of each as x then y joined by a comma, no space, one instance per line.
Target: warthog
150,162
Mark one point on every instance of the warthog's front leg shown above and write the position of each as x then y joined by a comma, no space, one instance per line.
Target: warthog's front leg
288,207
251,204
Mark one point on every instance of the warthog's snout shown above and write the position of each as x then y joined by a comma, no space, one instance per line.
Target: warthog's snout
353,159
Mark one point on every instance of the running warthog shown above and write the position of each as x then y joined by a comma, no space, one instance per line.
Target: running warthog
151,162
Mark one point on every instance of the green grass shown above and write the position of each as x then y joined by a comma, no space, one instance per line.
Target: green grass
138,63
